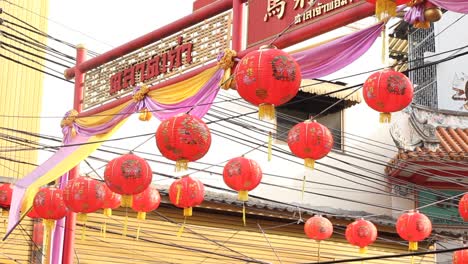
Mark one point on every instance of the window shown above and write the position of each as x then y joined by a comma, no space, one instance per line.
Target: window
306,105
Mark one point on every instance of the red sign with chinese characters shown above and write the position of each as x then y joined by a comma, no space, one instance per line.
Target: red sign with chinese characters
268,18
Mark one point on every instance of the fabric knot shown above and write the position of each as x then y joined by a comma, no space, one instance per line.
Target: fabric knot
69,118
140,92
226,59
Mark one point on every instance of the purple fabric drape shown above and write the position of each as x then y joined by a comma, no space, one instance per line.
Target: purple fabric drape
459,6
335,55
415,14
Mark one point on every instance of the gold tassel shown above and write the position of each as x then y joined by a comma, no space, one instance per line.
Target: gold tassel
49,224
181,165
107,212
145,115
309,163
179,187
270,143
384,45
82,218
385,8
385,118
138,232
227,79
413,246
318,252
412,259
127,201
182,227
188,211
124,232
266,112
362,250
303,186
104,229
243,196
243,213
141,216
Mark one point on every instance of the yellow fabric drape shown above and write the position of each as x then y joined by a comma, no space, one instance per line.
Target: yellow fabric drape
101,118
180,91
67,164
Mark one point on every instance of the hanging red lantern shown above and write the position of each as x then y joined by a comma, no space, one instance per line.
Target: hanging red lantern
463,207
33,214
146,201
361,233
460,257
5,195
83,195
242,175
186,193
267,77
183,138
50,206
387,91
385,8
318,228
310,140
128,175
413,227
112,201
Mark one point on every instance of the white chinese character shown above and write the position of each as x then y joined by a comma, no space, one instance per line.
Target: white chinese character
275,7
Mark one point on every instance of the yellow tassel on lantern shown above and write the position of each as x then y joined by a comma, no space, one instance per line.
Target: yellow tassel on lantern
181,165
141,216
270,143
138,232
145,115
303,187
107,212
385,117
182,227
362,250
104,228
266,112
413,246
82,218
243,213
243,196
124,232
127,201
188,211
48,224
385,8
309,163
384,45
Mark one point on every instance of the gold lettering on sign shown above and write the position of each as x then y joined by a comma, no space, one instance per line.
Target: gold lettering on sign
317,10
275,7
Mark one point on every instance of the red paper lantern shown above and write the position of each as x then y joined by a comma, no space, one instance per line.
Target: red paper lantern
112,200
460,257
413,227
242,175
463,207
267,77
310,141
318,228
83,195
146,201
128,175
5,195
186,193
32,213
183,138
49,205
361,233
387,91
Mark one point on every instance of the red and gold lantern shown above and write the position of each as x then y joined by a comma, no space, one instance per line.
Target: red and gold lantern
318,228
361,233
5,195
460,257
463,207
267,77
146,201
386,8
186,193
413,227
183,138
310,140
83,195
128,175
387,91
112,201
50,206
242,175
33,214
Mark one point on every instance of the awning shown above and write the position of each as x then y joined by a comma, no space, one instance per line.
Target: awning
319,87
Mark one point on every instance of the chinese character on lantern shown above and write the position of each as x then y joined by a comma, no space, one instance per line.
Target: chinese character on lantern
275,8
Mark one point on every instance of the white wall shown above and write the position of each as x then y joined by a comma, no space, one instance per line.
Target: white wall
452,74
